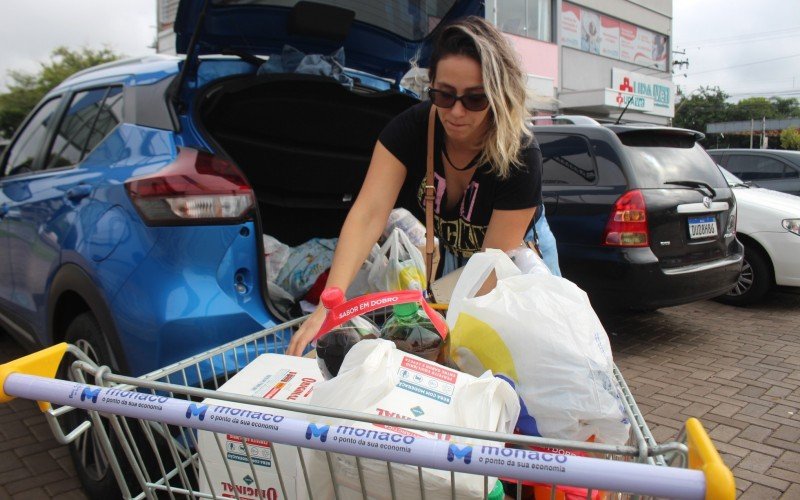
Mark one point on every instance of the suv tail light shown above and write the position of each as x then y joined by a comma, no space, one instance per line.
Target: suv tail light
198,188
627,224
731,229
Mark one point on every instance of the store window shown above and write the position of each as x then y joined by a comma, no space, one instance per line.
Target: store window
528,18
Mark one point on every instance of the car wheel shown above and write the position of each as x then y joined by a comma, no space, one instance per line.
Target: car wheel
754,282
91,463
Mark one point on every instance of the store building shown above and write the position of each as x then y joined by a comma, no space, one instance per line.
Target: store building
598,55
590,57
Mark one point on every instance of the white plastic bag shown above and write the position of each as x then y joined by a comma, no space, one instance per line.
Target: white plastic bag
304,265
414,229
528,261
379,379
400,266
275,254
360,285
541,332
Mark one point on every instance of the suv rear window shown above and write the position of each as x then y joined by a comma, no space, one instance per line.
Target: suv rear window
410,19
660,158
566,160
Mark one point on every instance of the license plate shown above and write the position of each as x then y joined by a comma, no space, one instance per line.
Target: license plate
702,227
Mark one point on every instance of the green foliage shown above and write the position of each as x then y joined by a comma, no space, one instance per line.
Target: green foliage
704,106
786,108
709,105
790,138
26,90
753,107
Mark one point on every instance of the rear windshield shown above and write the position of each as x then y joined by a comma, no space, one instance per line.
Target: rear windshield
671,159
410,19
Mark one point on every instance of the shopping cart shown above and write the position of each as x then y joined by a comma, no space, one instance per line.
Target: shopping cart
147,428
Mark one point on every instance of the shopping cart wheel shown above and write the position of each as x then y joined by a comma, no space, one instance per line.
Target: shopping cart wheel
91,462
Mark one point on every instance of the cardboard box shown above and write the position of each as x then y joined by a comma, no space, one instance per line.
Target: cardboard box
272,376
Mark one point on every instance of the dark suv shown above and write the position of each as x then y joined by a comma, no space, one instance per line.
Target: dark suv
642,216
769,168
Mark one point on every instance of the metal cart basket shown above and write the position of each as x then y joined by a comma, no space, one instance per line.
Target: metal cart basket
147,429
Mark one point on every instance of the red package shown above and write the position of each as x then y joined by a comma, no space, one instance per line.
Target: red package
317,288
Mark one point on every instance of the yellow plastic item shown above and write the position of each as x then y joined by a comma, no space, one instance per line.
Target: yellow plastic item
476,347
438,307
703,456
42,363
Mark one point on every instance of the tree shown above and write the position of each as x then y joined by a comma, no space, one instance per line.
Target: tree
753,108
26,90
790,138
786,108
703,106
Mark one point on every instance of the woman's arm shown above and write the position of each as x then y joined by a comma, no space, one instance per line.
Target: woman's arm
362,228
506,230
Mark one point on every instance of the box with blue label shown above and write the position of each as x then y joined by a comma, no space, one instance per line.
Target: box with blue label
271,376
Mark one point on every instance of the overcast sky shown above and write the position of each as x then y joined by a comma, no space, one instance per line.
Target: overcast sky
722,38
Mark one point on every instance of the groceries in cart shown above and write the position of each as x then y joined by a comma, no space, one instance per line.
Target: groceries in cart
412,331
401,266
379,379
541,332
402,219
270,376
334,344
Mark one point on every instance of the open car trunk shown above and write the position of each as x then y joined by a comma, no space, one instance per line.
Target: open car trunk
304,143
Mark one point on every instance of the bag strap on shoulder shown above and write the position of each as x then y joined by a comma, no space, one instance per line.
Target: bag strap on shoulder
430,195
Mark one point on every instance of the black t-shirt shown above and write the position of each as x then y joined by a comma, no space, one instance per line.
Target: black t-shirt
462,229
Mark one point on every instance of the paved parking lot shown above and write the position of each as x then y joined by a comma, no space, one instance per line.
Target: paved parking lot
738,370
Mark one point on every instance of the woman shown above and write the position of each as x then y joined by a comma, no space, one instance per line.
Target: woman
487,166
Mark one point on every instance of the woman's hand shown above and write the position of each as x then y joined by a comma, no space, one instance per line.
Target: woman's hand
305,334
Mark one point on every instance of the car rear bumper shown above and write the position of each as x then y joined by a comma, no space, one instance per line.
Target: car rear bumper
634,279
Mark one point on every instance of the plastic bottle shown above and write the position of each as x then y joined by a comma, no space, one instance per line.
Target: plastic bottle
413,332
333,346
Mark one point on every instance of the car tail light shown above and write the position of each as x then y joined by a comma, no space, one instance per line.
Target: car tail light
627,224
731,229
197,188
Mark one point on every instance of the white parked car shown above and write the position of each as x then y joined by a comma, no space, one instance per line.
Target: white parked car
768,224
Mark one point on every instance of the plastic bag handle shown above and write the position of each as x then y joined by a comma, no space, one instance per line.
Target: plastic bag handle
345,311
475,273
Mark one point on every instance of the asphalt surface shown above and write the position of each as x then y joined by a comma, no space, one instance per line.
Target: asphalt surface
736,369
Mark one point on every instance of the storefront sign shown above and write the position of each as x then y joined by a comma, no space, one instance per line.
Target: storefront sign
620,99
589,31
660,92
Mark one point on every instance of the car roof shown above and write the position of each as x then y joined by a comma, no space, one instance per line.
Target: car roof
135,71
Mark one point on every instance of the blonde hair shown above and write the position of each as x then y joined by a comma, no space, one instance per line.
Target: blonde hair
503,82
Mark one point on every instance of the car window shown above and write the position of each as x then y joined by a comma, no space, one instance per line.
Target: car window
757,168
22,155
108,118
92,114
567,160
659,159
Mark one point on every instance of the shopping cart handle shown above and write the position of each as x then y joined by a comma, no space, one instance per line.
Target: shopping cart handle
42,363
703,456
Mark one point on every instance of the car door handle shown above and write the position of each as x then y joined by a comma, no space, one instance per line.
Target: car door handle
79,192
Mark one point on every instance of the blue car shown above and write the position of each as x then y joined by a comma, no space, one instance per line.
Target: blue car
134,198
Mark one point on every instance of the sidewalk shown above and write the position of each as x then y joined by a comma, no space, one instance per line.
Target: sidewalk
32,464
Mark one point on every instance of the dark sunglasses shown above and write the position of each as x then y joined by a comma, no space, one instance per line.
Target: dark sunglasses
472,102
